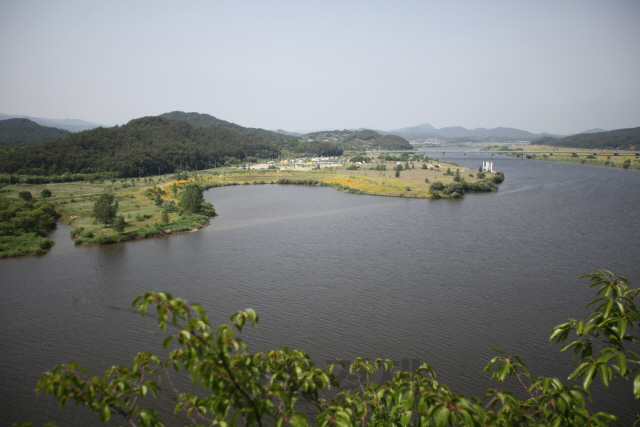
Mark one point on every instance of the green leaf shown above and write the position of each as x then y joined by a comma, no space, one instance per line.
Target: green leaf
166,341
622,328
406,417
105,414
622,364
607,307
299,420
146,415
440,416
590,371
636,387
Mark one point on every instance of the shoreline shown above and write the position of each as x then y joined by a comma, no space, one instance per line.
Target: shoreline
137,198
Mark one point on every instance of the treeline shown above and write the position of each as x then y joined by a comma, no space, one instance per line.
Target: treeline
621,139
24,131
9,179
145,146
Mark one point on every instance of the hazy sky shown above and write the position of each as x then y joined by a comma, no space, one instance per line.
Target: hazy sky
542,66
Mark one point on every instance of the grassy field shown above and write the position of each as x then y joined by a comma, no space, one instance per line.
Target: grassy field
75,200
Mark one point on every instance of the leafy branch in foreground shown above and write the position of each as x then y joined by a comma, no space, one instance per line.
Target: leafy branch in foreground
614,324
283,387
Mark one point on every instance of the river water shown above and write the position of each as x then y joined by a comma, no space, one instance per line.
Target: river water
341,275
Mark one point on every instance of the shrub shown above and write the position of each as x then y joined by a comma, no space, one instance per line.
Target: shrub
455,187
25,195
104,239
119,224
45,243
437,186
77,231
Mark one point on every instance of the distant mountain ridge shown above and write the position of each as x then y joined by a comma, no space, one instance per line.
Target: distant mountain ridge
594,130
425,131
72,125
19,131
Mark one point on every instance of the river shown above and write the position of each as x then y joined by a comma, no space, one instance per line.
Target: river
341,276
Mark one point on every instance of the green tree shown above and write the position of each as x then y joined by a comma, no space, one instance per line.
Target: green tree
437,186
45,193
105,209
191,198
274,387
398,169
25,195
119,224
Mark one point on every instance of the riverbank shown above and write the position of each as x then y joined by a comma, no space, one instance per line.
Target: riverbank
619,159
143,201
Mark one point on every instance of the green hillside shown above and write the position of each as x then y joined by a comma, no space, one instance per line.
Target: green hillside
24,131
145,146
290,143
621,139
361,140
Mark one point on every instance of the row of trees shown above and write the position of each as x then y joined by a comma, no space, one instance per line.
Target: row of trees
284,387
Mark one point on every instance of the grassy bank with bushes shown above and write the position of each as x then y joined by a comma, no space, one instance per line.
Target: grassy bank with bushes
153,206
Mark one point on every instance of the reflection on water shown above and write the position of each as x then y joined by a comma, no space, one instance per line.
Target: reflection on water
341,276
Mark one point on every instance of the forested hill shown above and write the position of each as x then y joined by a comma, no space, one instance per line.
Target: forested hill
206,120
201,120
621,139
143,146
24,131
285,142
361,140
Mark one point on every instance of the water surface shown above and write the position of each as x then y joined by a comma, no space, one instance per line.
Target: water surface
340,275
